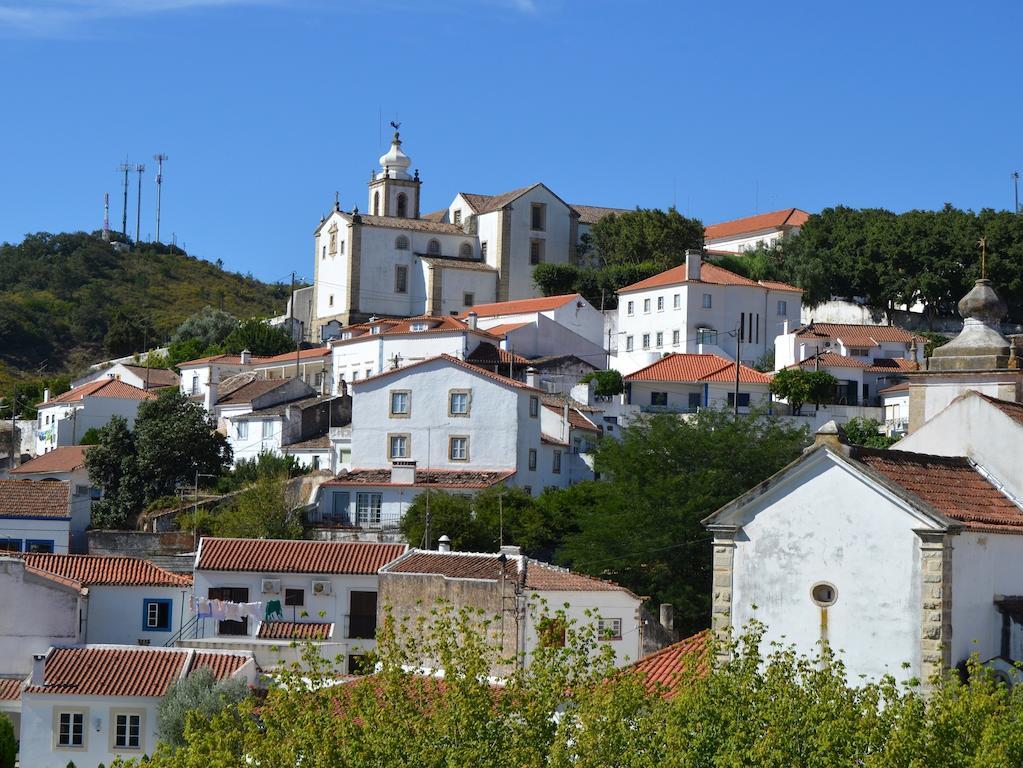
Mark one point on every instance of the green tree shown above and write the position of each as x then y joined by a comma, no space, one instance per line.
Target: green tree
8,743
798,386
867,432
262,511
640,525
208,327
645,236
608,383
259,338
113,466
198,695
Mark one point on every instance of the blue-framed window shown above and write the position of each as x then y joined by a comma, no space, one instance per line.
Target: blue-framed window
39,545
156,615
10,545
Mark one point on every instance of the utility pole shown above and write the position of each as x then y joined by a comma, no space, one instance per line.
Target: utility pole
14,416
1015,186
140,169
124,168
291,327
159,158
738,352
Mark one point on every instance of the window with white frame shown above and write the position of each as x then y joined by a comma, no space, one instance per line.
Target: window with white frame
534,407
71,729
268,428
708,301
128,730
458,448
677,301
628,343
242,430
659,339
532,459
457,217
660,303
646,305
367,508
397,446
401,401
458,402
706,336
609,629
676,338
630,308
783,307
556,464
646,341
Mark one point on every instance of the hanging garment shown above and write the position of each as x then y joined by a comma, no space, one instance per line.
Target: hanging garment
217,609
233,611
253,610
203,608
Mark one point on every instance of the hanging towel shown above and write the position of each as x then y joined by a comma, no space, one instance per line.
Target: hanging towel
233,611
217,609
203,608
253,610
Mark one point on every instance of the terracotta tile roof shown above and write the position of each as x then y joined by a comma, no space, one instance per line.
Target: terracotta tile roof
10,688
891,365
506,328
292,556
488,203
433,478
101,388
710,274
449,262
895,389
853,335
434,215
111,671
454,361
319,443
222,359
591,214
126,671
158,377
523,306
413,225
694,367
222,665
787,217
66,458
110,570
487,354
400,326
295,630
951,485
246,393
531,574
830,360
576,419
304,355
663,671
35,498
1013,410
549,440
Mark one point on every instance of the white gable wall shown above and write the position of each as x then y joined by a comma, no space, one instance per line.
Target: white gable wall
37,613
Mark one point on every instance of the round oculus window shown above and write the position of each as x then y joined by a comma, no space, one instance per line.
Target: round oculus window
824,594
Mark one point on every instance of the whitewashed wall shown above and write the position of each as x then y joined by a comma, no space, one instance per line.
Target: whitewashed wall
116,614
36,614
607,604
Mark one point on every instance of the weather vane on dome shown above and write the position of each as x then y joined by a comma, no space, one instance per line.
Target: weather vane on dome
983,256
395,125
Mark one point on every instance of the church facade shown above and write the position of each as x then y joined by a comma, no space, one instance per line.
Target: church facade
395,261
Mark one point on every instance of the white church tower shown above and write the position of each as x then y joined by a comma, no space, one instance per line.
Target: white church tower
392,191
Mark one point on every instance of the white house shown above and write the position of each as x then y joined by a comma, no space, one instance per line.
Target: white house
64,419
137,375
298,428
752,232
896,558
513,588
863,343
95,704
323,591
895,401
441,423
36,516
66,464
394,260
859,382
685,383
701,307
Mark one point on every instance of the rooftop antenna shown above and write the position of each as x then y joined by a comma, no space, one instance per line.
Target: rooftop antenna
159,158
124,168
1015,186
139,169
106,217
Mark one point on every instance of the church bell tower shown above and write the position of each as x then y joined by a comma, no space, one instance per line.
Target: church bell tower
392,191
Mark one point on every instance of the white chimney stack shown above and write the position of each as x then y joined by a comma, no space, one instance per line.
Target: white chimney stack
510,550
38,665
471,320
532,378
46,395
246,357
444,544
694,259
403,472
668,616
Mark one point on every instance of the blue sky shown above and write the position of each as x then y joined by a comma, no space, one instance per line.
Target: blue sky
267,107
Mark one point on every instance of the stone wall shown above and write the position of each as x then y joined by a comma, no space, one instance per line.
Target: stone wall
935,605
167,549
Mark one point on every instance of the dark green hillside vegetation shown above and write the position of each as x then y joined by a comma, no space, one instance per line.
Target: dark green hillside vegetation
70,299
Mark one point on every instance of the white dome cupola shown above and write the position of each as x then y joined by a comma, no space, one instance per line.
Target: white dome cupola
392,191
394,164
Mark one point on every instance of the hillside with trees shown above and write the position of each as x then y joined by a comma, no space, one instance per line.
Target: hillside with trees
67,300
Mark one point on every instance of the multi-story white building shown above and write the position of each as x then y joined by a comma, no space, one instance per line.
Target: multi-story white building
752,232
444,424
865,343
322,591
64,419
89,706
393,260
136,375
701,307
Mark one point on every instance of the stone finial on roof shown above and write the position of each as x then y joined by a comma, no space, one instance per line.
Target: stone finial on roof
831,435
980,345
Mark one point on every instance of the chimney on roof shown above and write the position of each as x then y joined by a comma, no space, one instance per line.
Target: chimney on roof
403,472
668,617
444,544
785,328
694,259
471,319
46,395
510,550
246,357
532,378
831,435
38,665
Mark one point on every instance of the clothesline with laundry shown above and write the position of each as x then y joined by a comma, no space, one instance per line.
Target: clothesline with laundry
225,610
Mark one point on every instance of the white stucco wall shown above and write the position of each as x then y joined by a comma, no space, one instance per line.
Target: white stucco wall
116,614
605,604
25,529
36,615
829,525
556,237
72,420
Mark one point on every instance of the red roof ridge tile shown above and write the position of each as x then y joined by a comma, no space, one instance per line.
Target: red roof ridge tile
785,217
521,306
661,670
106,570
113,388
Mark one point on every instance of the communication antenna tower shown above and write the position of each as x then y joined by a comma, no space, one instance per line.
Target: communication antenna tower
140,169
124,168
159,158
106,216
